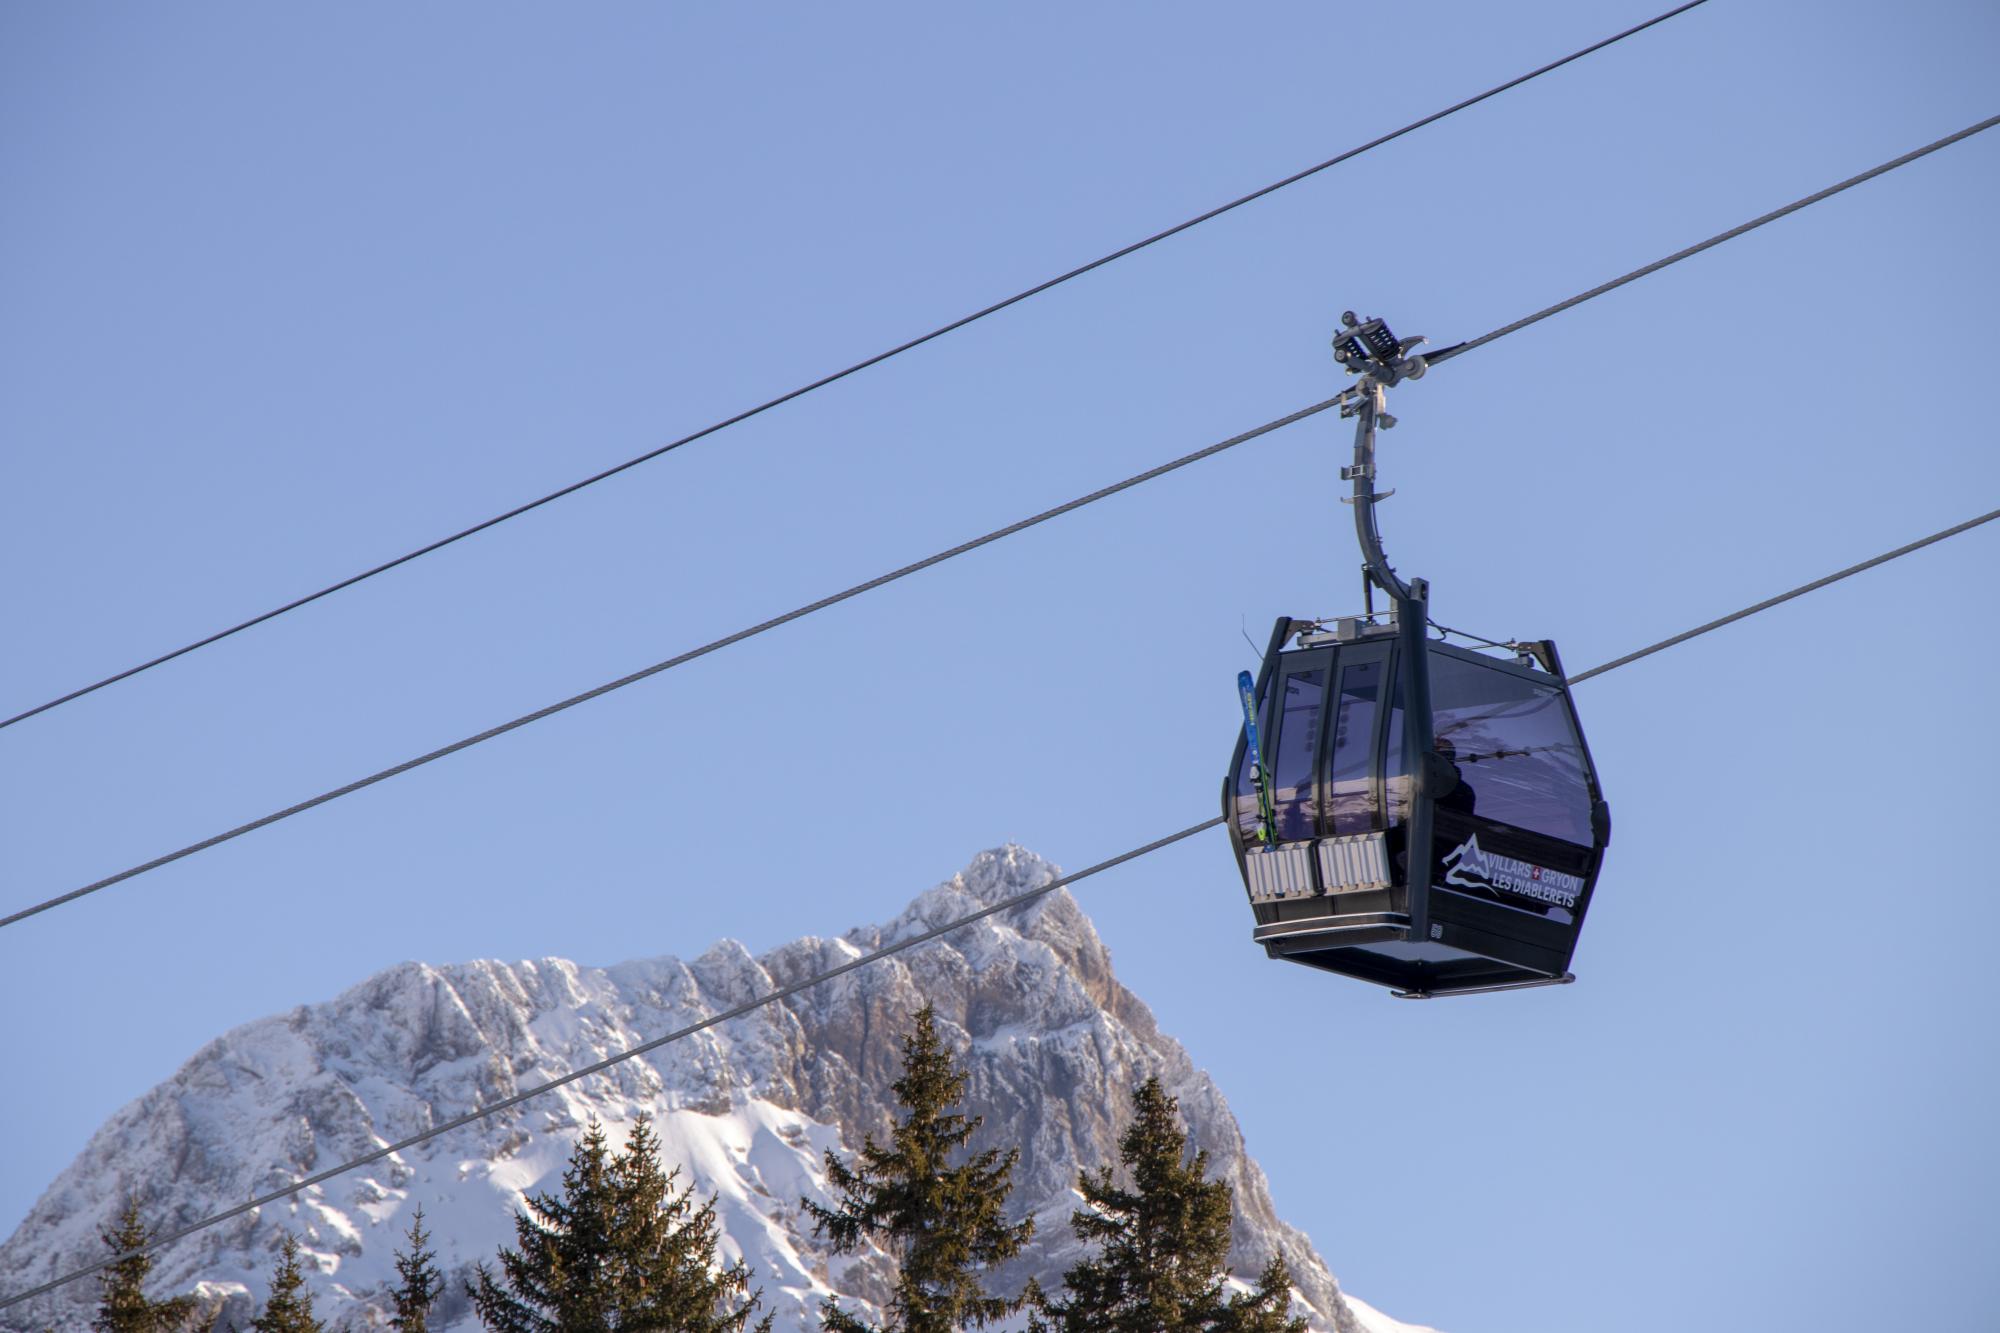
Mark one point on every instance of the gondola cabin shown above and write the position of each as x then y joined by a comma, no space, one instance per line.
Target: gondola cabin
1475,873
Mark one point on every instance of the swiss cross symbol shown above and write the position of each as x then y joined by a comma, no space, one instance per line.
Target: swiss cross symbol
1537,872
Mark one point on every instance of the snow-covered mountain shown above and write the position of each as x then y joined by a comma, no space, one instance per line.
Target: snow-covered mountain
1052,1043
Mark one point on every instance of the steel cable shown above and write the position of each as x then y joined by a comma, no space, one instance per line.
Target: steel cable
839,375
950,553
1447,353
1783,597
657,667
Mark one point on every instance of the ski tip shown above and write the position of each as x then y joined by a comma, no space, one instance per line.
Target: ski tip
1243,681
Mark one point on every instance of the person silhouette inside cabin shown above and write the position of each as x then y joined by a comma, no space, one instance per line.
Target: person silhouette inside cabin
1461,796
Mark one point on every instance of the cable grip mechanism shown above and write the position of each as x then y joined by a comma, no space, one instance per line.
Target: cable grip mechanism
1370,350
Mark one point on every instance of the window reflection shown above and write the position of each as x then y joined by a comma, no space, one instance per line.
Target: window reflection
1350,770
1515,749
1509,737
1302,693
1395,784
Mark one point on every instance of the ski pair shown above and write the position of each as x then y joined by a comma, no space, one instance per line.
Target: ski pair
1267,822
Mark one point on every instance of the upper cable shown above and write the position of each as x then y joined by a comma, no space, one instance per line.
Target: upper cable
839,375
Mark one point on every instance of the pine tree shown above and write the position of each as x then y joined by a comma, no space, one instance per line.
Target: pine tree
620,1249
943,1223
420,1282
289,1308
1163,1243
1268,1308
123,1306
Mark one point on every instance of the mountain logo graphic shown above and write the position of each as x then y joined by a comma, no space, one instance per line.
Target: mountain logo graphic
1471,866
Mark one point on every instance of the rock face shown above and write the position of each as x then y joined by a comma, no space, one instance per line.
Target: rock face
1051,1042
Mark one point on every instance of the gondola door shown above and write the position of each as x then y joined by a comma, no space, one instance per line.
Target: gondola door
1520,834
1294,707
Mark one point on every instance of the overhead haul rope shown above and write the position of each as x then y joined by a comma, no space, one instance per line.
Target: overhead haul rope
948,554
839,375
1715,240
887,950
1782,597
672,662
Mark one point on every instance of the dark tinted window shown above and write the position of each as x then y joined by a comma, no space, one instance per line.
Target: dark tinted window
1350,796
1514,746
1246,789
1301,694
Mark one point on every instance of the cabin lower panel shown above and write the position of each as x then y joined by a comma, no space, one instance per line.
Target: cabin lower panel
1463,971
1374,943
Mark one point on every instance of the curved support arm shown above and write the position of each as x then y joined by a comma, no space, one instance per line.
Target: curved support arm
1362,473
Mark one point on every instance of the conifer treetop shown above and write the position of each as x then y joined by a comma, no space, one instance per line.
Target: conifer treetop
621,1248
944,1224
419,1283
123,1306
1162,1243
289,1308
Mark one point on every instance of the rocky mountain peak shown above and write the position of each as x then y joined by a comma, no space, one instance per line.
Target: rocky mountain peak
1052,1045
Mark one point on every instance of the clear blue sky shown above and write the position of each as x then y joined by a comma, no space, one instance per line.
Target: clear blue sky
287,290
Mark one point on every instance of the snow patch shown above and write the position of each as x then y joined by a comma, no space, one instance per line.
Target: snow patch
1374,1321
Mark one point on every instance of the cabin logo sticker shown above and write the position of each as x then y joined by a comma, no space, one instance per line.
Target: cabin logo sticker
1471,866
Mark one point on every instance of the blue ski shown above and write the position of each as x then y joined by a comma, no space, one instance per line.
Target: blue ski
1267,822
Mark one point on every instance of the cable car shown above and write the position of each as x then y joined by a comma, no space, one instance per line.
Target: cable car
1403,810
